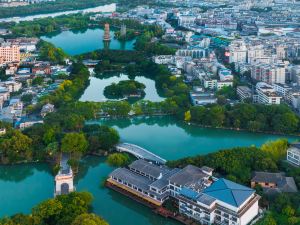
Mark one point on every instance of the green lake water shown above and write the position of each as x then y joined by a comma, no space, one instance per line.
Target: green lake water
23,186
83,41
94,92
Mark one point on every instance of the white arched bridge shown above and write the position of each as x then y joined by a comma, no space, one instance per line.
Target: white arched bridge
140,153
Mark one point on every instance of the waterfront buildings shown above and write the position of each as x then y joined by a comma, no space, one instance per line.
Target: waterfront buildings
200,196
293,154
224,202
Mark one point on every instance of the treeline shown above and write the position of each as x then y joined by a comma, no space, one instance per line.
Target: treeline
238,163
253,117
48,25
48,7
64,5
71,209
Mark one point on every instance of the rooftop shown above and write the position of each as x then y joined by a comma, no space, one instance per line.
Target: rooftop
148,168
229,192
189,176
283,183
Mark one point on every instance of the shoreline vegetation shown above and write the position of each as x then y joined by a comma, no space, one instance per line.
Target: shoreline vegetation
64,5
71,209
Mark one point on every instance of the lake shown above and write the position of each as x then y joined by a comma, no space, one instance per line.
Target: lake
23,186
94,92
75,42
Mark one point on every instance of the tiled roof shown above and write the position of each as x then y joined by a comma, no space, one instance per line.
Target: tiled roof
229,192
189,175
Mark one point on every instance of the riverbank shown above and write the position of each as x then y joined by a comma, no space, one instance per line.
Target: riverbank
38,11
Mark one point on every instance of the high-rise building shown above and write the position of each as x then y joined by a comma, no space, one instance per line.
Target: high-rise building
269,73
9,53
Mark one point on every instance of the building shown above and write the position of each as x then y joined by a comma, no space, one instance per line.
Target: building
237,52
48,108
273,182
11,86
210,83
2,131
244,92
106,36
221,84
147,181
254,52
225,75
200,196
224,202
163,59
190,177
266,94
25,123
268,73
64,179
9,53
282,89
193,51
202,98
293,154
186,20
4,93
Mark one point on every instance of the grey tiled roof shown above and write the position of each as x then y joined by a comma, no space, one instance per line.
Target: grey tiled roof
189,175
131,177
148,168
164,181
284,184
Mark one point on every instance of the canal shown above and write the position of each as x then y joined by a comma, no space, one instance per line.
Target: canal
23,186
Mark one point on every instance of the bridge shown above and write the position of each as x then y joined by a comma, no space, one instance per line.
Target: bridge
140,153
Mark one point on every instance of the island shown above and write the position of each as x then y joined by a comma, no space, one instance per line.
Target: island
125,89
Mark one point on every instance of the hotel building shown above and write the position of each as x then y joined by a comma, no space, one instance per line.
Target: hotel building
200,196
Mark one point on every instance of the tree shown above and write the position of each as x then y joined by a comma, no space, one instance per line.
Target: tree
187,116
286,123
277,149
17,147
268,220
74,143
118,159
27,98
89,219
47,210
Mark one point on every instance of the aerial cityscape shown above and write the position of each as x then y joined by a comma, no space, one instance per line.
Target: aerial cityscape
149,112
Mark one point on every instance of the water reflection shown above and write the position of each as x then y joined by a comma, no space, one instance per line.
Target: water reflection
17,173
75,42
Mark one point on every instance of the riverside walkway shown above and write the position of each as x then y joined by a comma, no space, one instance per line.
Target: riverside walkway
140,153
